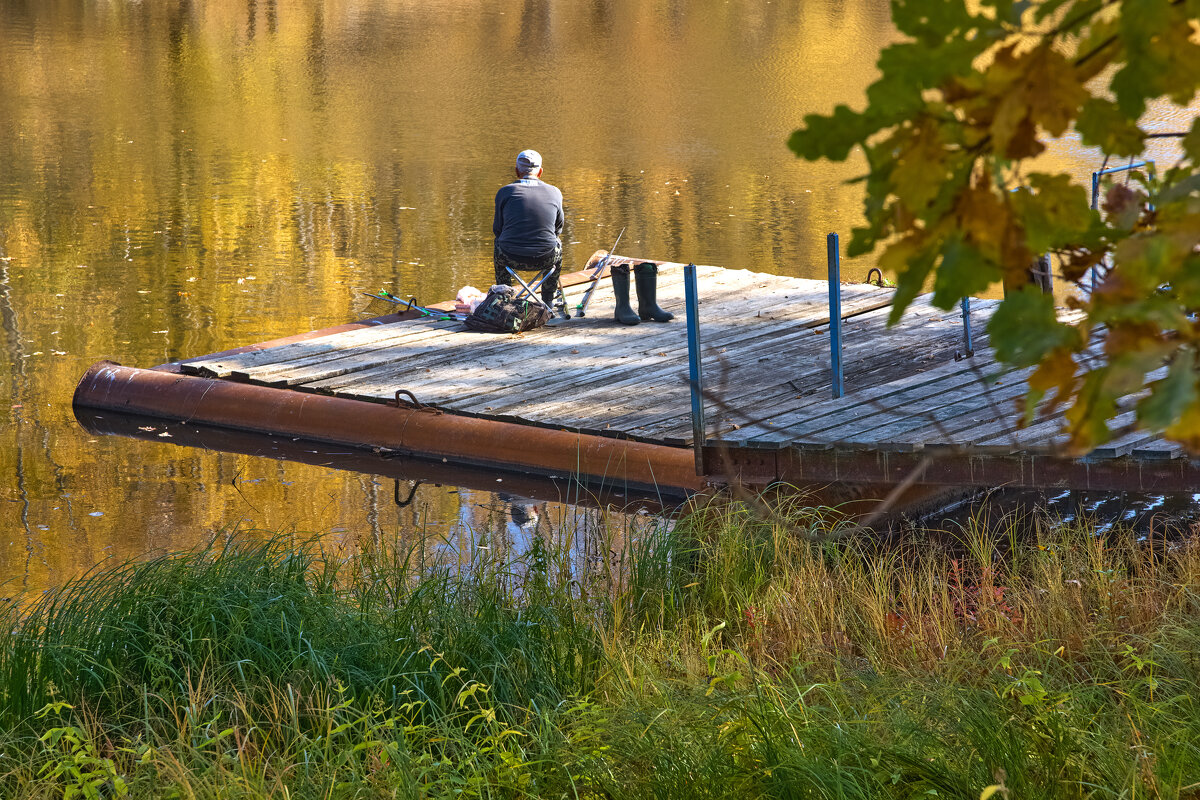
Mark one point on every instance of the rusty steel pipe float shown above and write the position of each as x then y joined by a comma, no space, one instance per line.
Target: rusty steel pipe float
356,423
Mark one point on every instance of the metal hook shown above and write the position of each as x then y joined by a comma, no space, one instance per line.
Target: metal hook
414,401
411,494
875,271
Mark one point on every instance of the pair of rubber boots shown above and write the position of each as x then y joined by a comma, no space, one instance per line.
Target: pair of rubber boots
645,276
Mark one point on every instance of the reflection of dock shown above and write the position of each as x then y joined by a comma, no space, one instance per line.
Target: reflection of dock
607,401
407,472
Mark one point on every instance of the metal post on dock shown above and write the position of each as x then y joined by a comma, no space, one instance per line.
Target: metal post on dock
835,314
695,369
968,346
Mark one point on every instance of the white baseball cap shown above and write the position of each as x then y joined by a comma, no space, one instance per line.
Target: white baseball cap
528,161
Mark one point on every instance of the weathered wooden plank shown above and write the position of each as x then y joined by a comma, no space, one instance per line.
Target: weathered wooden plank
962,413
1045,434
486,348
420,335
480,348
474,347
753,415
580,384
223,366
743,399
1158,450
614,375
844,411
803,372
998,435
534,353
329,368
796,425
1126,444
746,432
766,340
477,340
940,418
634,340
1004,436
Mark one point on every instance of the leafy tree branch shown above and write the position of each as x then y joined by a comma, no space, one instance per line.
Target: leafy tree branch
951,126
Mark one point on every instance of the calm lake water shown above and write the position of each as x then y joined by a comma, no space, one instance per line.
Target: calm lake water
182,177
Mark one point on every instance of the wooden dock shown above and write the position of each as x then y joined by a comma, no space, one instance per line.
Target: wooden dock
915,405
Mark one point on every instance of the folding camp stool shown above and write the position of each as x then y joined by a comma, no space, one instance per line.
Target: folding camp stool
531,290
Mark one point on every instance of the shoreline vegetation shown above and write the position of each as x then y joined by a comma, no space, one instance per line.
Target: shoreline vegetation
719,655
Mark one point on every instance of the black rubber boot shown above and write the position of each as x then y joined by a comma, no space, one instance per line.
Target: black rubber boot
620,281
646,276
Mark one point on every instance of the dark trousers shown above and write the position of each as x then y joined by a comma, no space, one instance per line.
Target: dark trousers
502,262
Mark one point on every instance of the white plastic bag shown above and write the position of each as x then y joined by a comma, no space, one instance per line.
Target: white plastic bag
468,299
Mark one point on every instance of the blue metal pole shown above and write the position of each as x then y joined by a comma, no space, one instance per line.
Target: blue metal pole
835,313
1095,205
695,368
968,347
1096,195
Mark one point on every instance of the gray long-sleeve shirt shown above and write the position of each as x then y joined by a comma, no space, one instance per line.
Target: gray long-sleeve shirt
529,218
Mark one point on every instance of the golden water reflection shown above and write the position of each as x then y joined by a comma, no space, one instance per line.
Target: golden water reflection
181,177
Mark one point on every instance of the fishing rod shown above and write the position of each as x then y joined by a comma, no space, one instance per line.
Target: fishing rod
596,273
411,305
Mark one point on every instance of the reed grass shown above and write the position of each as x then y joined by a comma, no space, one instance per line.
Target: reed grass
726,653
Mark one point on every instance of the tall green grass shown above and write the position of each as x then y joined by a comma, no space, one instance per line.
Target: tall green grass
727,653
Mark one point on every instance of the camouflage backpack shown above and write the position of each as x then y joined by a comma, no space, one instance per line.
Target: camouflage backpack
501,312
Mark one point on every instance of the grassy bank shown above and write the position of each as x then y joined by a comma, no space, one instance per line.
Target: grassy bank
724,656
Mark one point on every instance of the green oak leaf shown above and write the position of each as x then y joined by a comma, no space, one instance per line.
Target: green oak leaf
1186,429
963,271
1191,142
920,168
1055,93
1101,124
1050,7
1160,58
831,137
931,21
1054,213
911,260
876,208
910,66
1094,406
1171,395
1025,328
1179,188
961,107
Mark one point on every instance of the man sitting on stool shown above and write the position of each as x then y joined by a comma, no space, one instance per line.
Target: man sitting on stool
529,218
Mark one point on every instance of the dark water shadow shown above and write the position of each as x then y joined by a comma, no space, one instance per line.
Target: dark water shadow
566,489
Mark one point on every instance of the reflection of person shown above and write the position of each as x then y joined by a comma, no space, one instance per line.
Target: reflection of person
521,513
529,218
525,515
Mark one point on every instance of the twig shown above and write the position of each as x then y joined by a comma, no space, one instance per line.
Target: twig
243,494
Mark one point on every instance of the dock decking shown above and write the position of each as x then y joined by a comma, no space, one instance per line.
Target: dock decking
914,401
765,337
